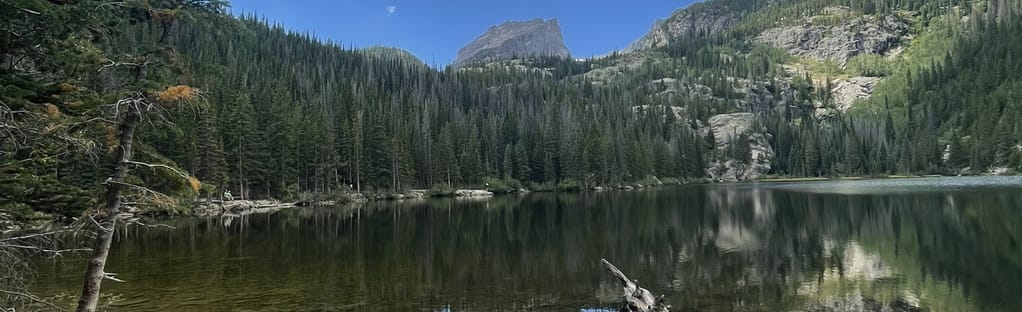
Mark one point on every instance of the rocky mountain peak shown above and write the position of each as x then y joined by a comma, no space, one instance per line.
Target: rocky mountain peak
515,39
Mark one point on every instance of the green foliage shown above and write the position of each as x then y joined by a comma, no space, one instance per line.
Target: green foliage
542,187
514,184
313,117
497,186
569,185
671,181
869,65
441,190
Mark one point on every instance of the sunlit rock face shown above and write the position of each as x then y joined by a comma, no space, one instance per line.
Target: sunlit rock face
847,91
819,38
516,39
726,129
685,22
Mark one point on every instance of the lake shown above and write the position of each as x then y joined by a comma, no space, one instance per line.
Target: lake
942,244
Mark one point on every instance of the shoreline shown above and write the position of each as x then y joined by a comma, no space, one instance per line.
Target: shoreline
862,178
247,207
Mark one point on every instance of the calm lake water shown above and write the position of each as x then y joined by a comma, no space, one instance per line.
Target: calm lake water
949,244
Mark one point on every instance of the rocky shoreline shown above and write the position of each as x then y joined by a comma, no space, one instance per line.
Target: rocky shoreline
246,207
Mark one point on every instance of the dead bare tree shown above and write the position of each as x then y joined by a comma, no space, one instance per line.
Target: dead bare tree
126,132
636,299
128,112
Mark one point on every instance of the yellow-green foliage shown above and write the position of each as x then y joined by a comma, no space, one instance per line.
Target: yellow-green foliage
934,40
869,65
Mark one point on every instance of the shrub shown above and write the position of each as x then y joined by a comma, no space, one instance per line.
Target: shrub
569,185
497,186
542,187
513,183
869,65
441,190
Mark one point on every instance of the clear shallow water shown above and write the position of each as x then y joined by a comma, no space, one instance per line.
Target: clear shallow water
945,244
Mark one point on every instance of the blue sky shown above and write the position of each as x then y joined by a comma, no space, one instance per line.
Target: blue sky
434,30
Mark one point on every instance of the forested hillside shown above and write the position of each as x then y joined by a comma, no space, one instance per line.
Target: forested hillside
280,114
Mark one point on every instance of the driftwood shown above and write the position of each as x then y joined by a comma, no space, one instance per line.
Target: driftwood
636,299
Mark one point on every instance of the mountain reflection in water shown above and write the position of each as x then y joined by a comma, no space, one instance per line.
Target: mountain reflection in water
939,244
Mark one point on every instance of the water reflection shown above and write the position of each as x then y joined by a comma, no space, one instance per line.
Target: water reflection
708,248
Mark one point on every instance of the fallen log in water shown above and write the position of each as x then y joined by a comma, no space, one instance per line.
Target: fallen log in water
636,299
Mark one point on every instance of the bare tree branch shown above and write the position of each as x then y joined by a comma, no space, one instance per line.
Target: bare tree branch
114,64
636,298
14,252
140,188
32,298
154,166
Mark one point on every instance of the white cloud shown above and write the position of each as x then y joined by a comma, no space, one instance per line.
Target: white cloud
391,9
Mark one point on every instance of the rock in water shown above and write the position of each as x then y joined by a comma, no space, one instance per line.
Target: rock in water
515,39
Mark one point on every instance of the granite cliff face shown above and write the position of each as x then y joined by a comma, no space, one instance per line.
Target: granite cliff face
838,42
684,22
515,39
726,129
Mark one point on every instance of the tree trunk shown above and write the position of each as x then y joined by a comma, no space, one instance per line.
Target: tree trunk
636,299
94,274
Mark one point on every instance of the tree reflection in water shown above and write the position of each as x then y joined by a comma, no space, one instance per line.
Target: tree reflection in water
708,248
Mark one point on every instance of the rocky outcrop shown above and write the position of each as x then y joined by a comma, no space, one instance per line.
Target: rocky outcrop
240,207
614,65
847,91
762,96
819,38
515,65
726,129
759,97
515,39
676,112
473,193
685,22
